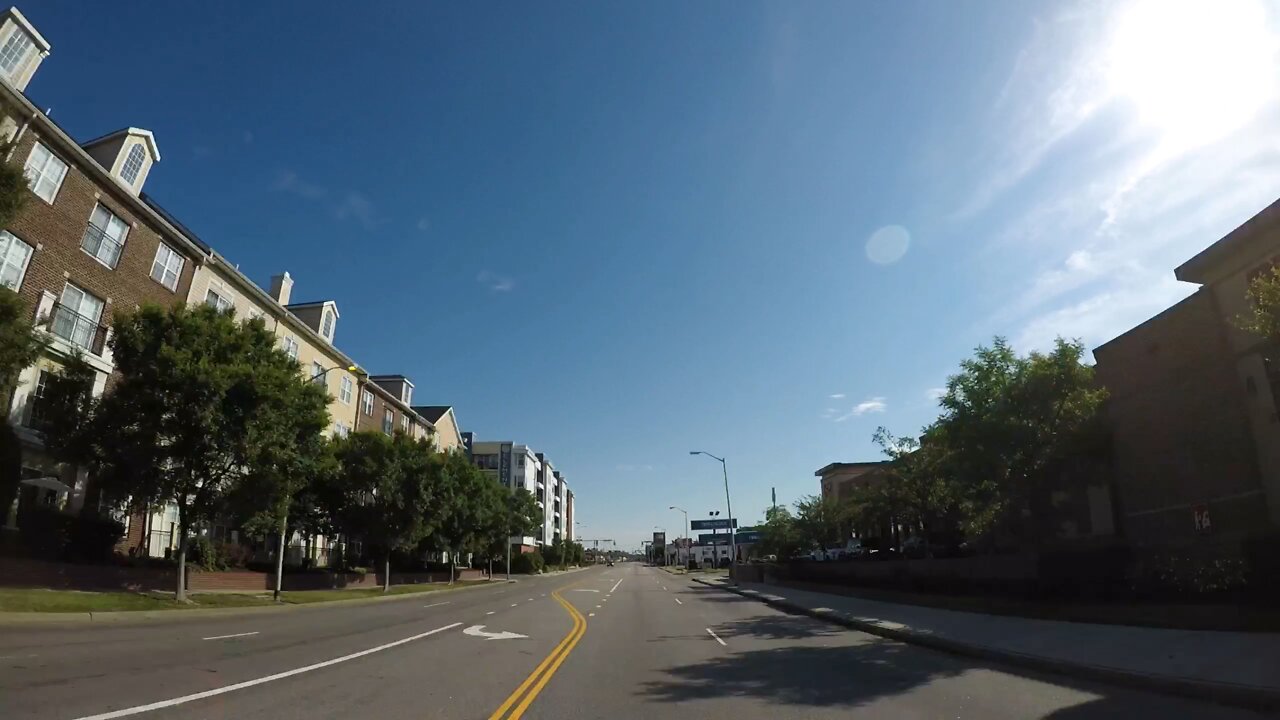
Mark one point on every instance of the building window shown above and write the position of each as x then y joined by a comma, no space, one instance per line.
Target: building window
167,267
15,255
404,424
76,316
45,172
132,165
218,300
104,238
388,421
406,395
326,325
344,390
340,429
366,401
14,52
35,403
290,346
317,370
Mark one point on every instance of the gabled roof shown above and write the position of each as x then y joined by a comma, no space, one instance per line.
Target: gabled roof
144,134
432,412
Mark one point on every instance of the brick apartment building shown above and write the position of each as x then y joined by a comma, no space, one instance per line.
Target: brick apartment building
1194,406
385,405
85,245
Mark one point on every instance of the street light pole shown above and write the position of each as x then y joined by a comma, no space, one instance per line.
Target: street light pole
733,542
686,534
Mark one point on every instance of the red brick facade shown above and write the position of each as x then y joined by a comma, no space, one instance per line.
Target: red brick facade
56,230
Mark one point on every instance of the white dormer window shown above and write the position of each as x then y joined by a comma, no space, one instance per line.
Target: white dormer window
133,164
15,50
406,395
326,325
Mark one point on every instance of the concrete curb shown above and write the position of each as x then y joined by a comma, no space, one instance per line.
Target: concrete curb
10,619
1248,696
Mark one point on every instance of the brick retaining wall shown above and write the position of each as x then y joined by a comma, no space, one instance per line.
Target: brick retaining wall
23,572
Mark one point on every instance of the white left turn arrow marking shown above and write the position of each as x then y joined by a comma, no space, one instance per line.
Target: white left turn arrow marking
478,631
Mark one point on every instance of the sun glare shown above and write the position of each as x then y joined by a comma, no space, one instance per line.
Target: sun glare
1195,69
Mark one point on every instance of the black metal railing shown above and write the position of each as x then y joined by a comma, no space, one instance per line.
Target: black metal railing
99,244
77,329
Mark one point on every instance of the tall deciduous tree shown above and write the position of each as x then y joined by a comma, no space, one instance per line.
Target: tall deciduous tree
19,347
196,407
1263,317
384,491
779,535
1009,425
818,521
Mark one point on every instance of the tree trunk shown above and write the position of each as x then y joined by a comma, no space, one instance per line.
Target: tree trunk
386,577
452,559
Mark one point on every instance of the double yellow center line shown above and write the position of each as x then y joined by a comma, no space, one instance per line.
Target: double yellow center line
515,705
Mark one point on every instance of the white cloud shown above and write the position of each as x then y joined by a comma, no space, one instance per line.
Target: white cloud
836,396
1127,204
872,405
356,206
288,181
495,282
423,224
626,467
935,393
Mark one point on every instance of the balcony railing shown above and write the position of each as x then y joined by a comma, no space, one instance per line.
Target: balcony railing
77,329
99,244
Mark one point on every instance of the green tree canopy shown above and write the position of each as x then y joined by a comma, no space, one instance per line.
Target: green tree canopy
201,402
385,490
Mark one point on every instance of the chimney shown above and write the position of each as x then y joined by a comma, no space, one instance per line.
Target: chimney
282,287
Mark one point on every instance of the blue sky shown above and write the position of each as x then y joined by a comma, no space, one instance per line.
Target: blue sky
622,232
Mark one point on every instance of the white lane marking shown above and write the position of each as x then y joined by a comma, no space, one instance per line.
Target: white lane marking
138,709
717,637
615,586
446,602
489,613
514,604
591,614
597,607
530,600
478,631
678,601
224,637
581,590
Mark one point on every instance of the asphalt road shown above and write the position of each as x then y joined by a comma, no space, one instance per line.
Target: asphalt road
616,643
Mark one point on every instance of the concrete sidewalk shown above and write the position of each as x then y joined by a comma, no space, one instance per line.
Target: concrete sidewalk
1229,667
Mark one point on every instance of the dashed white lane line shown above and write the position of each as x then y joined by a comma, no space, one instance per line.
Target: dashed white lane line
224,637
591,614
717,637
615,586
514,604
678,601
597,607
490,612
446,602
664,587
530,600
138,709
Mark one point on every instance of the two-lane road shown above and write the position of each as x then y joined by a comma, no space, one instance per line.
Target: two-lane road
608,643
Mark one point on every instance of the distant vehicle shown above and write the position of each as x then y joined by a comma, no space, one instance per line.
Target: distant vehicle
608,563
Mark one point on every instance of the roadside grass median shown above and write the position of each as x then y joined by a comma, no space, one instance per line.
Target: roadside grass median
77,601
